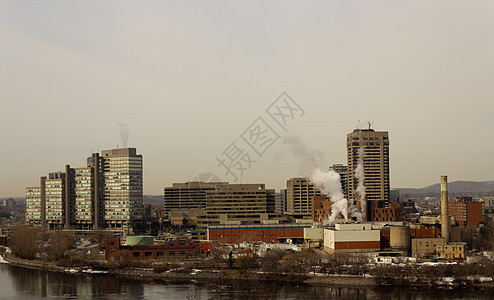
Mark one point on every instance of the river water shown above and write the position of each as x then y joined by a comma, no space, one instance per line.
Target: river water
21,283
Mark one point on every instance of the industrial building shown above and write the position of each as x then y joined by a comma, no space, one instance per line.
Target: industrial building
320,208
359,237
168,249
105,194
269,233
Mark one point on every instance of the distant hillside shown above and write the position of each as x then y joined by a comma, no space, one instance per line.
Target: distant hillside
456,188
154,200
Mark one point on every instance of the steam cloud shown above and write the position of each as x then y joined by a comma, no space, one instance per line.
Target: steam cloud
124,134
359,175
328,182
309,158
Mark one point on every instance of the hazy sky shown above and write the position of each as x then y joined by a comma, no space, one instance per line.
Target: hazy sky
189,78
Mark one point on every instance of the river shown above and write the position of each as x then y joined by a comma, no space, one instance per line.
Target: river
21,283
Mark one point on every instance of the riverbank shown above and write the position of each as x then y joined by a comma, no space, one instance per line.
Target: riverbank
181,275
195,275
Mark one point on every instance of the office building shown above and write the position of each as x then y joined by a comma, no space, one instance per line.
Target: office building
236,204
299,192
187,196
374,145
105,194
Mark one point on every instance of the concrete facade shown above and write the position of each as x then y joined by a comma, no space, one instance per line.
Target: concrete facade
299,193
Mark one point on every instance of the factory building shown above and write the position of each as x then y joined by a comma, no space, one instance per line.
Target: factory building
352,238
269,233
169,249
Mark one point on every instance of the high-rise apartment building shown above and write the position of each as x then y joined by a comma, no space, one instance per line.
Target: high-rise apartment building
121,171
33,206
105,194
298,196
371,148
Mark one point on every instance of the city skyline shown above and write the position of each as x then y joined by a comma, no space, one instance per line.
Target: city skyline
181,82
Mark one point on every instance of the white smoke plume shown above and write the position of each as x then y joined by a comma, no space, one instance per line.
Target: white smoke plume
309,158
328,182
124,134
360,176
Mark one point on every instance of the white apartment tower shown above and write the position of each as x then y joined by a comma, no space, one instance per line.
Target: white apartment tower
105,194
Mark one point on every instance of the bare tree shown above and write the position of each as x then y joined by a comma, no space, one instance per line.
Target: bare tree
271,261
58,244
24,241
245,262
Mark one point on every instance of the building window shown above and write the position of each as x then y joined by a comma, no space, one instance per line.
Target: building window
148,254
160,254
171,253
136,254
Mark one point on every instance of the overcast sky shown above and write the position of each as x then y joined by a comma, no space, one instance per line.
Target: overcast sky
187,79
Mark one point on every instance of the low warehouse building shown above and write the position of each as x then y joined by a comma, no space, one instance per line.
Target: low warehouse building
352,238
172,248
269,233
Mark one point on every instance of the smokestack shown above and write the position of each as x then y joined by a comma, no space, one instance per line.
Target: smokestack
444,209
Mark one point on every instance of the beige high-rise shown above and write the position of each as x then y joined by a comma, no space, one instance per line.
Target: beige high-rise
299,193
375,162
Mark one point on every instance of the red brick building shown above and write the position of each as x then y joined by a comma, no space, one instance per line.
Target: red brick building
321,208
466,213
178,247
252,233
382,212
